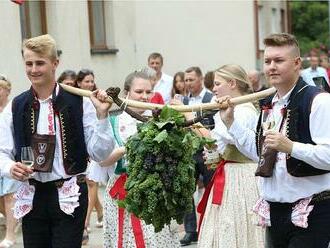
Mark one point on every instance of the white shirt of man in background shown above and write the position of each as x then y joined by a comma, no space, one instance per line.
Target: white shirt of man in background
164,82
314,71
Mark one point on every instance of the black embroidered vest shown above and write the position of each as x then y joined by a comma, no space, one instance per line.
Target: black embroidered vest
69,109
297,127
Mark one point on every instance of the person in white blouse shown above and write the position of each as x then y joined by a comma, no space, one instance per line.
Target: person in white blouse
293,144
8,186
225,208
85,80
62,130
121,228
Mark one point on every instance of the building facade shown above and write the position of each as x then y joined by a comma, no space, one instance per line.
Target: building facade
114,38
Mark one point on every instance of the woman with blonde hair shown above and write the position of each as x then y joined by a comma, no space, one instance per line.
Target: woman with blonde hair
8,186
5,88
226,206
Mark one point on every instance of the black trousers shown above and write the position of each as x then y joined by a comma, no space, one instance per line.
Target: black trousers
284,234
47,226
268,241
190,220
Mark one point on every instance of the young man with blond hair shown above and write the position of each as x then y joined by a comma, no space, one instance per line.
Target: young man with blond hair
294,154
63,131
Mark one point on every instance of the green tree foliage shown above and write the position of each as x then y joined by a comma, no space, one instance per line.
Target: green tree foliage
310,24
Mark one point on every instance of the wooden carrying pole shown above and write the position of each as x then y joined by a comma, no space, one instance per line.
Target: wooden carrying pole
181,108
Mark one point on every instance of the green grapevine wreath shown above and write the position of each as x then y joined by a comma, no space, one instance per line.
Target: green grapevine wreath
161,169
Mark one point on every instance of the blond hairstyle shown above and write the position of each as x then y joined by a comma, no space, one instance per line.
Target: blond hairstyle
232,71
43,45
283,39
5,83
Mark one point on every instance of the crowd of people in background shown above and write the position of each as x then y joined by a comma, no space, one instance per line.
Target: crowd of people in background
224,217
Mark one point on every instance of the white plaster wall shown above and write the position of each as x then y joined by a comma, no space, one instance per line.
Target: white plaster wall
67,22
71,31
203,33
11,63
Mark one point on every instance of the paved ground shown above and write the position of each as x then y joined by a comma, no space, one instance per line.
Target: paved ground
95,237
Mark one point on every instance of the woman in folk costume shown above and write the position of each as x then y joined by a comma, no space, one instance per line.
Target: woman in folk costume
8,186
122,229
226,206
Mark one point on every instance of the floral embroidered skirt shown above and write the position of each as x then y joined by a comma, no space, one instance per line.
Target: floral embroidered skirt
233,224
163,239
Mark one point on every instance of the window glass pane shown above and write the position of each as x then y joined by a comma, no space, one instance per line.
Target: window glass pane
282,20
24,22
35,18
98,23
261,26
275,21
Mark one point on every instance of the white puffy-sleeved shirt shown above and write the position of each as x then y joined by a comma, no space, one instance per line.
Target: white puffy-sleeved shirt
245,114
282,187
98,138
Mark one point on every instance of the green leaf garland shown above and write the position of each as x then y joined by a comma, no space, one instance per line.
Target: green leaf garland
161,169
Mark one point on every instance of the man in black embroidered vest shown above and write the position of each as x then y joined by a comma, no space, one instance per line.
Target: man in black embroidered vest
62,130
193,78
295,189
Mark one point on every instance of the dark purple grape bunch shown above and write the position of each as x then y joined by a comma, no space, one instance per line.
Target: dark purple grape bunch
167,180
170,171
156,113
149,162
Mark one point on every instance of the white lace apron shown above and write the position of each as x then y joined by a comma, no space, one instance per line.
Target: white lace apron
68,196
